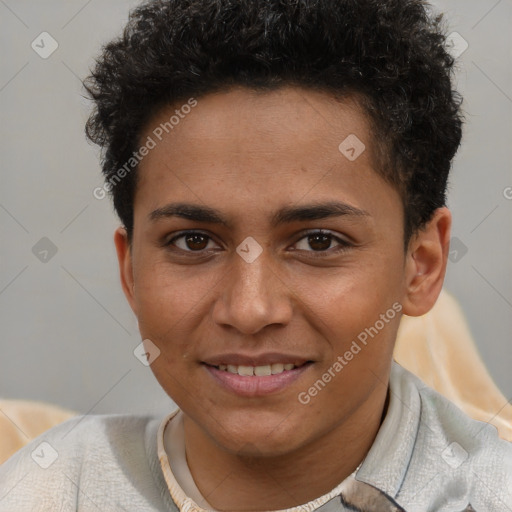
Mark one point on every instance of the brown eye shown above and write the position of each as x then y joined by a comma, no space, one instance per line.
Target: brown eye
196,242
191,242
321,242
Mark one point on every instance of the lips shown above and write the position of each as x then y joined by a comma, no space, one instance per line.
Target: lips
256,375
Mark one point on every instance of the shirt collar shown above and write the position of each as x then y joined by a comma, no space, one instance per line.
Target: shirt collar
387,461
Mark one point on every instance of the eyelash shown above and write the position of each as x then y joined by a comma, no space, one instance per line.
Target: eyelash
343,244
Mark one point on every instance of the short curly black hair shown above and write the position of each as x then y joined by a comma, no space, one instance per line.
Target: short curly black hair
391,54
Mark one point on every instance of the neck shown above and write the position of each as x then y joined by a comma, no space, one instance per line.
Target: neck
232,482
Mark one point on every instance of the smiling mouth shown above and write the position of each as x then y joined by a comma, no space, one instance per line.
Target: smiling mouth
258,371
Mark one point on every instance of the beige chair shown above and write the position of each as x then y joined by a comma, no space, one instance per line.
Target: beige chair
437,347
22,420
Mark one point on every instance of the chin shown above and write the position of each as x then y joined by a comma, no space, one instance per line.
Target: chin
264,437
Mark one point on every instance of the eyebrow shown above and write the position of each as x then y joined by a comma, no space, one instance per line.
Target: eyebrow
287,214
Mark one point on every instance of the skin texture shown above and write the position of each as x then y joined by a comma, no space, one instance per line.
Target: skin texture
247,155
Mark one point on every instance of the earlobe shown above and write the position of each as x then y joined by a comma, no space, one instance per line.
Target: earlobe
426,262
124,257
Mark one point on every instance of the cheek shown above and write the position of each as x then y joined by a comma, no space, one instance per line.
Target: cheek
352,309
168,296
346,299
169,306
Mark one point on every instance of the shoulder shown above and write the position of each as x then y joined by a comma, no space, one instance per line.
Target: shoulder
81,437
465,458
94,452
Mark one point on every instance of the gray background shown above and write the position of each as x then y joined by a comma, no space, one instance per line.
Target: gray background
67,333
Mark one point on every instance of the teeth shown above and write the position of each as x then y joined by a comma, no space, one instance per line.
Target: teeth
245,370
259,371
277,368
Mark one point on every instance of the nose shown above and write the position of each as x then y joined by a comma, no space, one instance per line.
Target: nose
253,296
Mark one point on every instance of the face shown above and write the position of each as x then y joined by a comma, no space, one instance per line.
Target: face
258,243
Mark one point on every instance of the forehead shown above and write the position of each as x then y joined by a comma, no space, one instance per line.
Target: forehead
289,142
241,119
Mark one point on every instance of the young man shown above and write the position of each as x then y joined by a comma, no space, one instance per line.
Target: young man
279,168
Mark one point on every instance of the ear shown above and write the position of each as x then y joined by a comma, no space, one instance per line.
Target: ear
426,261
124,257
